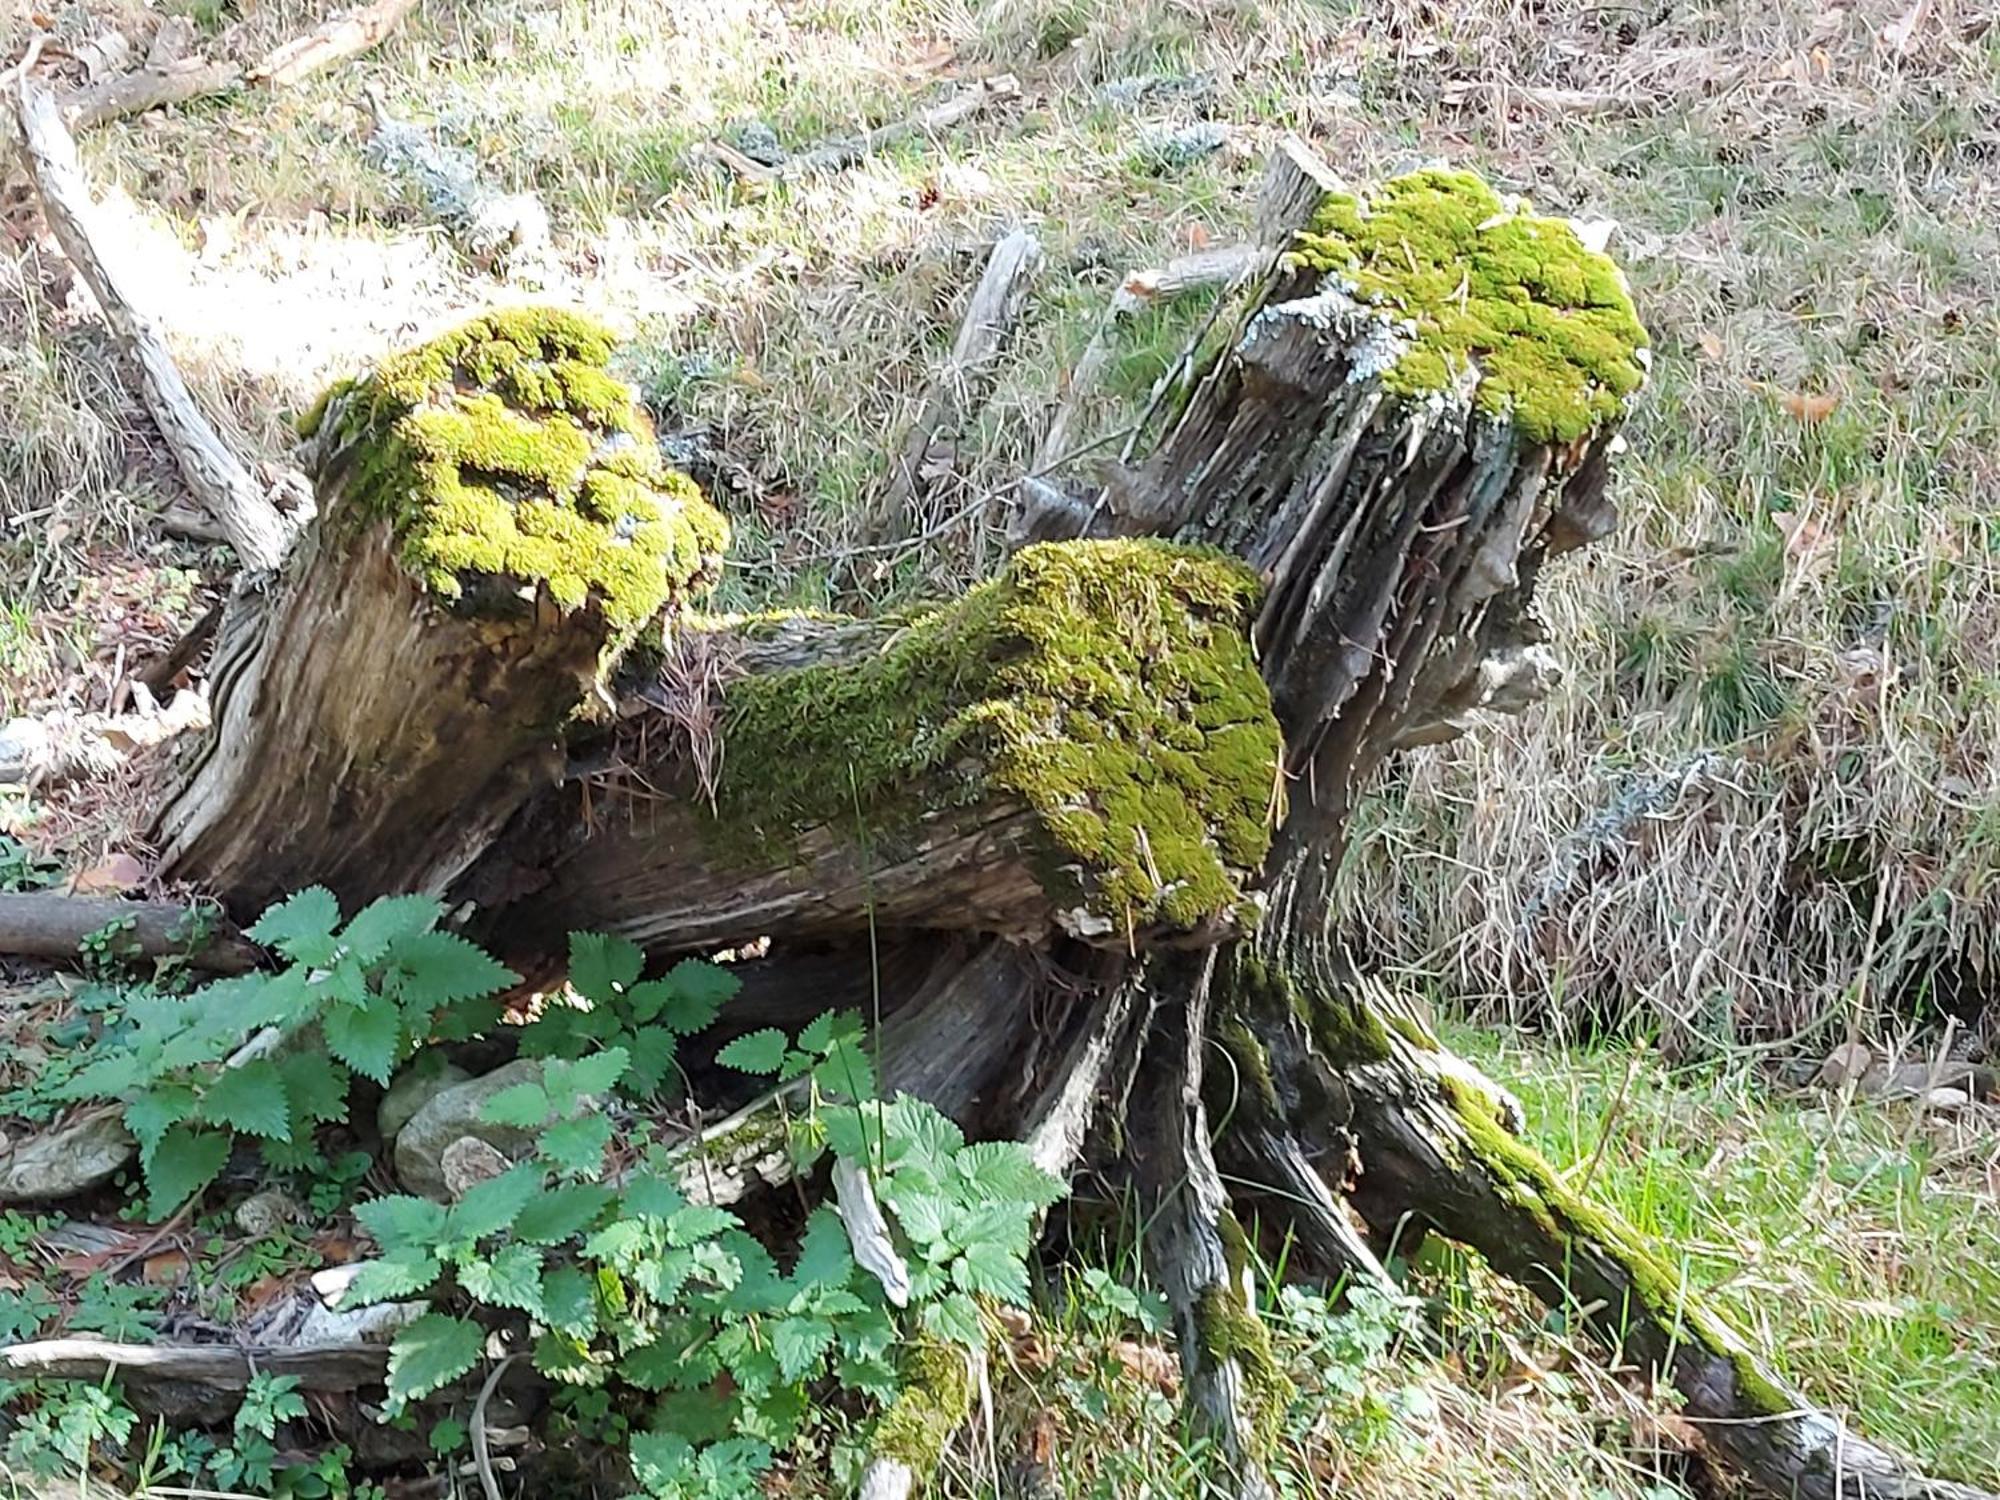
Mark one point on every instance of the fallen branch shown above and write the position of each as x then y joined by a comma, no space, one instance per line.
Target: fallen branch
327,1367
962,379
43,924
334,41
150,87
834,155
214,475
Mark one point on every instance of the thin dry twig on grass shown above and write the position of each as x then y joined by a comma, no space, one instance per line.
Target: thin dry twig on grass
214,475
334,41
169,76
835,155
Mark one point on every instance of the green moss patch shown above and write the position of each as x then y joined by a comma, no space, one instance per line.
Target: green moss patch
508,449
1548,321
1109,686
934,1403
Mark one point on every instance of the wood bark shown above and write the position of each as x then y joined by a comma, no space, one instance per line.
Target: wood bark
214,475
374,746
47,924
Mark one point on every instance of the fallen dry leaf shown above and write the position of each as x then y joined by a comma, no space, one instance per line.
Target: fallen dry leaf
164,1269
111,875
1710,345
1809,407
1151,1364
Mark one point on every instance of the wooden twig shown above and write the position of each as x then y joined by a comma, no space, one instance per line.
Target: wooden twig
834,155
963,378
335,41
150,87
214,475
46,924
324,1367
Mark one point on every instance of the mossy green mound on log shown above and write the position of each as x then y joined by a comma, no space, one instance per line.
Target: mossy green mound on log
1108,686
507,448
1472,279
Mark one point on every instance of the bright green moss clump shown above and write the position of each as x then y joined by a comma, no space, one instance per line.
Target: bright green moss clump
1548,321
507,448
1109,686
935,1401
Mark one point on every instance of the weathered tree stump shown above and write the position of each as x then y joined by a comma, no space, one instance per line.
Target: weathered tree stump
1121,772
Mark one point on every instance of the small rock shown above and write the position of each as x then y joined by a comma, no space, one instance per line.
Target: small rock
453,1114
1947,1099
65,1161
410,1091
26,752
1850,1060
331,1284
264,1213
469,1161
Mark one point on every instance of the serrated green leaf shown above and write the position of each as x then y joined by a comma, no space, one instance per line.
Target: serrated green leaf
701,989
623,1243
919,1131
760,1052
698,1221
570,1083
153,1113
656,1367
1005,1170
576,1147
185,1161
300,926
491,1206
402,1221
649,1195
431,1353
521,1106
661,1277
698,1414
874,1378
800,1344
567,1360
367,1037
653,1049
818,1035
845,1072
385,920
250,1098
512,1278
659,1459
826,1257
390,1278
600,967
989,1270
315,1086
442,968
955,1318
560,1212
569,1301
926,1218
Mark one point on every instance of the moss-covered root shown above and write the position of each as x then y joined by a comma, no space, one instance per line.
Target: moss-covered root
911,1436
1108,687
507,452
1466,281
1446,1145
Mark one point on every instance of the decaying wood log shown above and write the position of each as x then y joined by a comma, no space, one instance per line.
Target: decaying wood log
327,1367
214,475
1132,755
47,924
150,87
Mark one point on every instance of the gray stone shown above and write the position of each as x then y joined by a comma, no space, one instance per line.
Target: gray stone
454,1114
410,1090
65,1161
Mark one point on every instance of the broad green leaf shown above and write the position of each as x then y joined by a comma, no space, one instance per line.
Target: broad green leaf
185,1161
512,1278
300,926
701,989
567,1359
826,1258
490,1206
659,1458
569,1301
846,1072
576,1147
1004,1169
522,1106
873,1377
818,1035
569,1083
250,1098
990,1270
921,1131
698,1221
600,966
442,968
757,1052
153,1113
366,1037
390,1278
649,1195
431,1353
622,1244
402,1221
800,1344
560,1212
384,921
315,1086
661,1277
697,1413
653,1050
956,1318
1004,1222
926,1218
